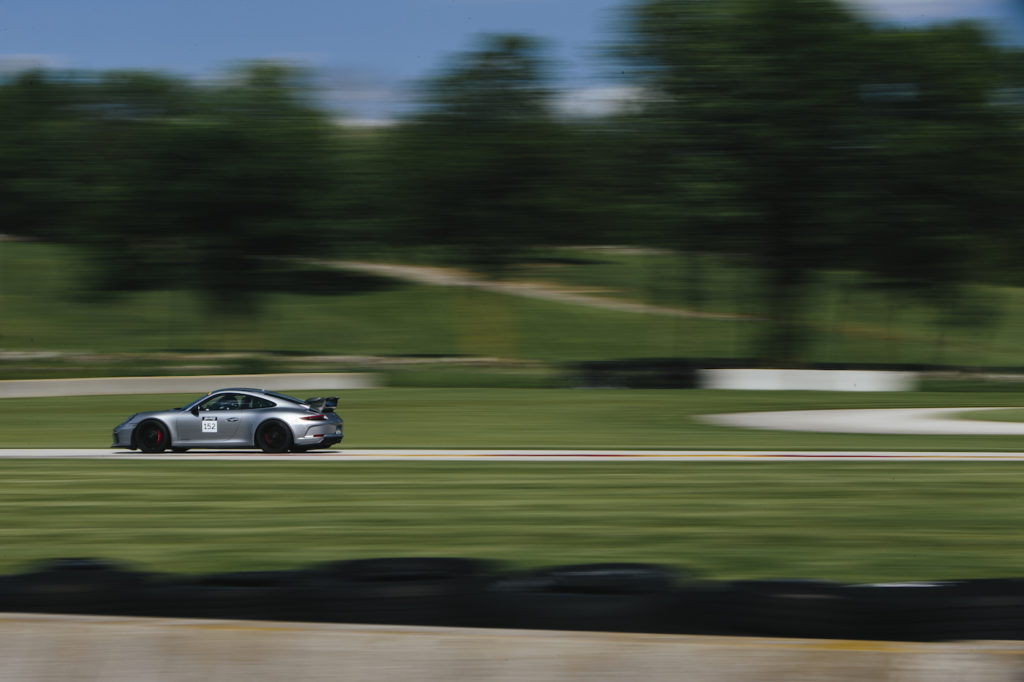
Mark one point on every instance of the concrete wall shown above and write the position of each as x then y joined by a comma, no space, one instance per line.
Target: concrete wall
187,384
39,648
807,380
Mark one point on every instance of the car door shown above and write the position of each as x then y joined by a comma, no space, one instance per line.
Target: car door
214,422
253,413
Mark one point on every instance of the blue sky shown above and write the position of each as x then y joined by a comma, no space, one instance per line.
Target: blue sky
367,51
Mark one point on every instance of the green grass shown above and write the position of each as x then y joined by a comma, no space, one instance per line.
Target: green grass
842,521
1001,415
847,320
860,521
532,418
45,308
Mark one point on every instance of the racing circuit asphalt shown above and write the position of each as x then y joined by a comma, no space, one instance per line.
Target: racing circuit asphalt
918,421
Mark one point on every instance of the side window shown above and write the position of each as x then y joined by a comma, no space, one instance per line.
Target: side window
224,401
251,402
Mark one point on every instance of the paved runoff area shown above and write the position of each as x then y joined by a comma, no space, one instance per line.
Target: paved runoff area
47,648
914,421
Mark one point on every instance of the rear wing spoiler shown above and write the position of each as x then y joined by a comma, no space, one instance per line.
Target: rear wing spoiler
322,404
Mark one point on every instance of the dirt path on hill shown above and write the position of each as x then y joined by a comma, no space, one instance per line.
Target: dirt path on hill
547,291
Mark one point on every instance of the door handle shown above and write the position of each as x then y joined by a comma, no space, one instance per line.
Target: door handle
232,419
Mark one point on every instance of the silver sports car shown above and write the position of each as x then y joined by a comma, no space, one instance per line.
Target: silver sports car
235,418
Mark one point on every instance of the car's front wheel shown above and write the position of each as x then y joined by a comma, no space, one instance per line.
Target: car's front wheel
273,437
152,437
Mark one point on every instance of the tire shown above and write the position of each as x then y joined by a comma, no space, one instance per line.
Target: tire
274,437
788,608
616,597
246,595
77,585
436,591
152,436
990,608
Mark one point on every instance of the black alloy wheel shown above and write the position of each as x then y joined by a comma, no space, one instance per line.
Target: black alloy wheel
274,437
152,437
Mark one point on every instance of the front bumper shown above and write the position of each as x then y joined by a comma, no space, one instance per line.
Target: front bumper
123,437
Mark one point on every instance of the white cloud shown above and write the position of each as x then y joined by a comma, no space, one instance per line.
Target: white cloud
598,101
367,122
363,95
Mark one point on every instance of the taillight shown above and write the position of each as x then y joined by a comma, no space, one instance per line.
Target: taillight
315,418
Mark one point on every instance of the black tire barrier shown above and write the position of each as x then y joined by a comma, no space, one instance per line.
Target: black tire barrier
622,597
616,597
684,372
398,591
941,611
75,585
635,373
785,608
243,595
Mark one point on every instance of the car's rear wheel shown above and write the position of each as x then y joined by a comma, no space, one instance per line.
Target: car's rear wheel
274,437
152,437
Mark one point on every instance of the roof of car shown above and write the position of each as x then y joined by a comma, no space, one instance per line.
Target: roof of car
263,391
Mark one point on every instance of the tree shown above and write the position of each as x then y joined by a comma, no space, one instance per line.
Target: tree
38,142
773,144
212,189
477,171
756,100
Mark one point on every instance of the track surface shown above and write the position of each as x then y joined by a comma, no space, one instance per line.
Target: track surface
914,421
353,455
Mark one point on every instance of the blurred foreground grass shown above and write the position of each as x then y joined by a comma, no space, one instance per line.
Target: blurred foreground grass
845,521
842,521
532,418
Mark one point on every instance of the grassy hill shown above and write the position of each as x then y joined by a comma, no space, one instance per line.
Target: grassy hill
351,316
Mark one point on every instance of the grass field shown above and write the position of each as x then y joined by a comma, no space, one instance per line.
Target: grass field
1008,415
849,320
842,521
847,521
45,308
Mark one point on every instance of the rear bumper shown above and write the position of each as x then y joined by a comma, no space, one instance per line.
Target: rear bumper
321,434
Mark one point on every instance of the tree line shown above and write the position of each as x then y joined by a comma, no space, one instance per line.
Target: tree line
791,134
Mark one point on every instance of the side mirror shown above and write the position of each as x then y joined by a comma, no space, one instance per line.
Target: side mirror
195,411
